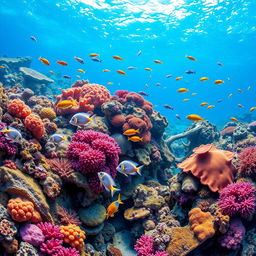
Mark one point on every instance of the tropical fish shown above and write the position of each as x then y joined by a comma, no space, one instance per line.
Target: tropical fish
219,81
219,100
230,95
81,70
117,57
204,104
135,139
106,70
158,84
168,107
158,62
66,76
147,85
107,181
62,62
143,93
190,57
211,106
177,116
131,68
181,90
220,64
80,60
229,79
252,109
81,119
203,78
121,72
45,61
240,90
12,134
249,88
109,83
139,53
2,67
168,76
130,132
186,100
194,118
57,138
233,119
94,55
65,104
178,78
52,72
240,105
113,207
194,93
128,167
78,76
95,59
189,72
148,69
33,38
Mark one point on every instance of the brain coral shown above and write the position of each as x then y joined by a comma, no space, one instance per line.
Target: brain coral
35,124
238,199
18,108
211,165
48,113
91,152
247,162
88,97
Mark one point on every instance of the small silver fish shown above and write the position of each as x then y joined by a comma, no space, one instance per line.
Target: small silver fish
96,59
12,134
139,53
80,60
129,167
178,117
143,93
57,138
131,68
168,76
81,119
33,38
66,76
107,181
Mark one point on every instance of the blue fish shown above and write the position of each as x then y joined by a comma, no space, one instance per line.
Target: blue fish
80,60
57,138
96,59
12,134
129,167
68,77
107,181
189,72
81,119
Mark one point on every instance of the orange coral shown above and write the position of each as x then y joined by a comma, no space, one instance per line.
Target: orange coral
23,210
18,108
35,124
73,236
211,165
201,224
48,113
117,120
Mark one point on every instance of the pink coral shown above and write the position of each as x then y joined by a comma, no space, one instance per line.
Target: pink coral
51,246
35,124
247,162
61,166
32,234
91,152
50,231
238,199
67,252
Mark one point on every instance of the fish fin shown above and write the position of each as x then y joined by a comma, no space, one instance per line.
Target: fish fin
119,199
134,173
138,169
134,163
64,138
74,102
113,190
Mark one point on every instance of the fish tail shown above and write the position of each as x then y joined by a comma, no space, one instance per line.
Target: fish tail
64,138
119,199
138,169
113,190
74,102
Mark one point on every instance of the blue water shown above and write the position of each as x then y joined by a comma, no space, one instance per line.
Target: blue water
211,31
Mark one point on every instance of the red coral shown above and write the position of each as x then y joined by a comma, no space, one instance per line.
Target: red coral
51,246
10,164
247,162
50,231
35,124
68,216
18,108
61,166
117,120
238,199
88,97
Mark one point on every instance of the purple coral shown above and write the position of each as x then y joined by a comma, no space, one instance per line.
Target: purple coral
50,231
51,246
233,238
6,145
91,152
238,199
32,234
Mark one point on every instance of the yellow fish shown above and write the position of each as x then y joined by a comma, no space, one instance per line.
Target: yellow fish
211,106
81,70
252,109
130,132
78,76
233,119
240,105
204,104
203,79
229,79
240,90
2,66
148,69
94,55
186,100
230,95
52,72
106,70
158,62
194,118
109,83
65,104
135,139
117,57
182,90
219,81
194,93
121,72
191,58
178,78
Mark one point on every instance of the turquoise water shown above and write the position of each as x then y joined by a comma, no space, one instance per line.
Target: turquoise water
211,31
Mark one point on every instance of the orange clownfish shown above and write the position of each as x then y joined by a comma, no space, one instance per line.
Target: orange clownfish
113,207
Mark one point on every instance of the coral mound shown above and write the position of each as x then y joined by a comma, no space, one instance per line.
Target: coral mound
18,108
91,152
211,165
48,113
247,162
35,124
238,199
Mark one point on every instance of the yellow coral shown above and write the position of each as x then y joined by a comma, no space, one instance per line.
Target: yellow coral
47,113
201,224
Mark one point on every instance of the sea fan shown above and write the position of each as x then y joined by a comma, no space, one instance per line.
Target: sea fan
61,166
68,216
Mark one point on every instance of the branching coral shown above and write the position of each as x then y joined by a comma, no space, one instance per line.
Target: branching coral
61,166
